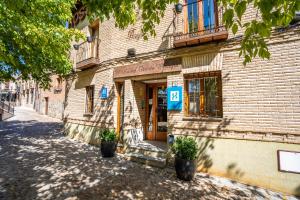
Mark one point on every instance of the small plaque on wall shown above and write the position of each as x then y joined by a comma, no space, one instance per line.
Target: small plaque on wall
103,93
288,161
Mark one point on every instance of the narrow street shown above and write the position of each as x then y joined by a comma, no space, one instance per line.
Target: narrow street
38,162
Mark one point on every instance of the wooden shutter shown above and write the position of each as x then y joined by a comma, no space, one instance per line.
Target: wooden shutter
185,18
200,16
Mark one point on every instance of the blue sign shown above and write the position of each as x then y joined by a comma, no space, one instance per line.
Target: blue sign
174,96
103,93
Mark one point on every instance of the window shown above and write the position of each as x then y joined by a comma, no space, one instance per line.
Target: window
59,83
89,102
201,15
203,94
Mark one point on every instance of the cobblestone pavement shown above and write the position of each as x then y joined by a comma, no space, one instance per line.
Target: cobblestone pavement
38,162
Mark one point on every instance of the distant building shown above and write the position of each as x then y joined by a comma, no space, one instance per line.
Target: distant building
51,101
8,91
26,92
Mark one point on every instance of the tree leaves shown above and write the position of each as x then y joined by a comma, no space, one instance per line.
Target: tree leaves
126,12
270,14
34,40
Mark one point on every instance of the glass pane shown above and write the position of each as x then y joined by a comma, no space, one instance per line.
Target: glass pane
194,96
150,111
162,124
193,15
210,95
209,14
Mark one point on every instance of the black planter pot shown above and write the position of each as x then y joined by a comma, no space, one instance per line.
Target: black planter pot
185,169
108,149
178,8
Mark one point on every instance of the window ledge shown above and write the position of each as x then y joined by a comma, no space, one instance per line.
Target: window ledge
199,118
88,114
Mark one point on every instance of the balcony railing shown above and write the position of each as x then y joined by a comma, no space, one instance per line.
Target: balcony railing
189,31
87,54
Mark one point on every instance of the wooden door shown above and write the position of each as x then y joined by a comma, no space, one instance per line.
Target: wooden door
156,114
120,109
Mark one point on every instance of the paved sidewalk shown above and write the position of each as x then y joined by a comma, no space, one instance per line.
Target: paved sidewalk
38,162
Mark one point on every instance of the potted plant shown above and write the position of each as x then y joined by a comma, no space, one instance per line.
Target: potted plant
108,142
185,150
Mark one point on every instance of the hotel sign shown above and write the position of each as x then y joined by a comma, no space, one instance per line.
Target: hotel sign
174,96
148,68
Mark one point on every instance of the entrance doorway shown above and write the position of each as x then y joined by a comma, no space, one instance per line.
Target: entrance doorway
156,112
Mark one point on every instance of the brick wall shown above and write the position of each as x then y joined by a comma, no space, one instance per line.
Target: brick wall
56,98
261,97
104,109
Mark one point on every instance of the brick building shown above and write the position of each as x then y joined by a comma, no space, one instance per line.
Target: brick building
189,80
51,101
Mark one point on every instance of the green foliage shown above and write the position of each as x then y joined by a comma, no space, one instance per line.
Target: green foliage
185,148
108,135
34,40
126,12
270,14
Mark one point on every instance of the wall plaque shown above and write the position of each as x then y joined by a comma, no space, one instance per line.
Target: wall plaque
103,93
288,161
149,67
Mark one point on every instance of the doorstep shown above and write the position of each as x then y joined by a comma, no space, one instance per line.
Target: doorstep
152,153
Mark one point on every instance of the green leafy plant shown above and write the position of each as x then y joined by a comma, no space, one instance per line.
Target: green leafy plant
185,148
34,40
108,135
270,14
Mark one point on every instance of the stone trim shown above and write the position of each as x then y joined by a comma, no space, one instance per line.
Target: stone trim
92,123
245,135
278,37
222,134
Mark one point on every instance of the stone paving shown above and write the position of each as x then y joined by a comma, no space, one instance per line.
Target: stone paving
38,162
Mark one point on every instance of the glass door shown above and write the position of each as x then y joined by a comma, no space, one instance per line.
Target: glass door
161,114
156,123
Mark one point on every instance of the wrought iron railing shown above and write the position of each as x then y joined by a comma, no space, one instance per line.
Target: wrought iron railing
88,50
7,107
186,27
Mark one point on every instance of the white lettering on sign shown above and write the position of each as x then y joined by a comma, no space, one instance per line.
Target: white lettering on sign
174,96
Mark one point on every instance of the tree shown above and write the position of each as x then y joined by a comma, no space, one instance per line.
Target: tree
271,14
274,13
34,39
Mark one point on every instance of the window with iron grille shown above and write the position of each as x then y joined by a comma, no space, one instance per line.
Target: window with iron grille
203,94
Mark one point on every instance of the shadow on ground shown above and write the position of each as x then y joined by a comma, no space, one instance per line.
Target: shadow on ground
38,162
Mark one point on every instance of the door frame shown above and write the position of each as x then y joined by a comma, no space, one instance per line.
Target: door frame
154,86
120,86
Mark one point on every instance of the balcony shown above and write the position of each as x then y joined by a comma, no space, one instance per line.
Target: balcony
87,54
196,25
